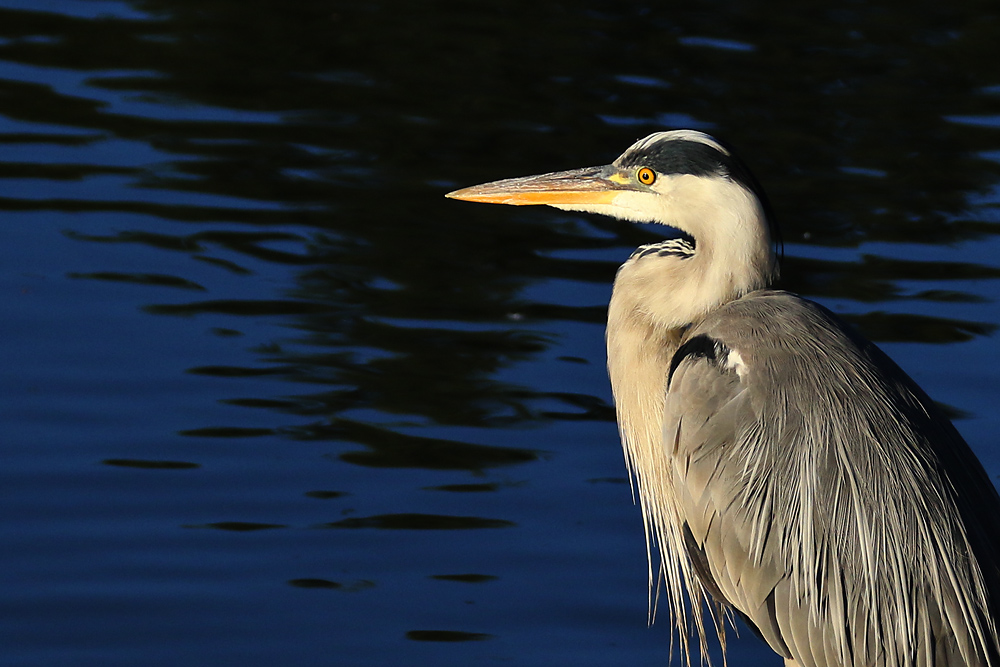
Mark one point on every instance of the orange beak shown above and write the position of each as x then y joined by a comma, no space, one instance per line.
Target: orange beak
591,185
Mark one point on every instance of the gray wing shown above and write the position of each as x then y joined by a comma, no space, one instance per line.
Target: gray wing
824,497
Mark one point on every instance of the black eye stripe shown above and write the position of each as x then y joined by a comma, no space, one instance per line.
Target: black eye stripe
681,157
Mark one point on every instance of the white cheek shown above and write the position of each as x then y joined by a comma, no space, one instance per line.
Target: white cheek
601,209
629,206
642,207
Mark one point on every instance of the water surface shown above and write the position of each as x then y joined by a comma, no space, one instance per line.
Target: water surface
271,399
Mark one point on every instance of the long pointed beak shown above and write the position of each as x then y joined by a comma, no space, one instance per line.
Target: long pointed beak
591,185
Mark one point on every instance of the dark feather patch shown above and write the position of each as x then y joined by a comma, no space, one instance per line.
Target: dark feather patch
699,346
682,248
700,563
679,156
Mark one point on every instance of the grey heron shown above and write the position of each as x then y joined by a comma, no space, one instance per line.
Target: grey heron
787,470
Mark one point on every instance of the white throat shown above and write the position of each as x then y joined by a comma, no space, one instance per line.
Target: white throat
733,250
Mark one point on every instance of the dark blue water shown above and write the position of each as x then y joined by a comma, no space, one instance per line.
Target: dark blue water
270,399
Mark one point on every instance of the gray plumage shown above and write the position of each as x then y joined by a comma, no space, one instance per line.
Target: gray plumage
787,469
853,540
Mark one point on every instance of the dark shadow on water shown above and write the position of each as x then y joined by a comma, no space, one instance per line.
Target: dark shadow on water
389,449
315,584
419,522
446,636
466,578
339,149
151,465
238,526
408,304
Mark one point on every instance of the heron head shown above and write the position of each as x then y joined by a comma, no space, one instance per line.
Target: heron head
652,181
684,179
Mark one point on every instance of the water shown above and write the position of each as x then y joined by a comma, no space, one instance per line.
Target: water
271,399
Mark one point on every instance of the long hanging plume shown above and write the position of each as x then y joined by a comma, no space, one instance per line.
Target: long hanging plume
757,487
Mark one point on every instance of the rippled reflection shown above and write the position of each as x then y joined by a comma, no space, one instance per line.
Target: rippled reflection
257,194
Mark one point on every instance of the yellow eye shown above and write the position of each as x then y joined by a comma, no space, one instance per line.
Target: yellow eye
646,176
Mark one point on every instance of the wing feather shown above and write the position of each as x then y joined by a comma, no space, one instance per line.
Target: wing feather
779,426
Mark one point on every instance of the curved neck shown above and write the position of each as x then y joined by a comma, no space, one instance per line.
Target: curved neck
733,255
